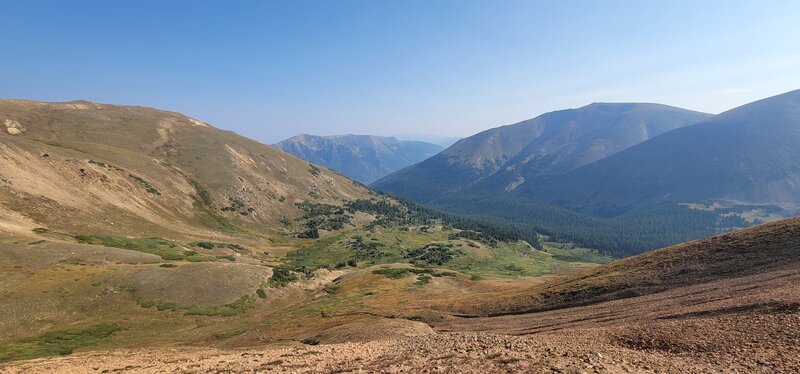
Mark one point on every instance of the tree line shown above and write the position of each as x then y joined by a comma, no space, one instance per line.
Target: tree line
619,236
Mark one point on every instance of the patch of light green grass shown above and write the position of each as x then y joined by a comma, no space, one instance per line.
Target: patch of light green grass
157,246
512,260
54,343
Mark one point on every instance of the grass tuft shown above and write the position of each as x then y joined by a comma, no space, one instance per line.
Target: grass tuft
54,343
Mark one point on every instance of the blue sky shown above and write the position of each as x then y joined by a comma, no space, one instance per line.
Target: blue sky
272,69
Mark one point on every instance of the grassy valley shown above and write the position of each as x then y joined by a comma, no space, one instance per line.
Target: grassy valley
162,291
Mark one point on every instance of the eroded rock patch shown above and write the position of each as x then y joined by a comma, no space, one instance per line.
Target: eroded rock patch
13,127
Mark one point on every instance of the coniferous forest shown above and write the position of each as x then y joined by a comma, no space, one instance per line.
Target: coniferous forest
619,236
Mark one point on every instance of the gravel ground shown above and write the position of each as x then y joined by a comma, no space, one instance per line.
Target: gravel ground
708,345
440,353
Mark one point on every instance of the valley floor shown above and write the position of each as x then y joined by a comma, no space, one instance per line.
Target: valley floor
748,325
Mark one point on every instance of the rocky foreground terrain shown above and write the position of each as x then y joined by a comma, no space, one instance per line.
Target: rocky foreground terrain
693,308
449,352
747,325
585,351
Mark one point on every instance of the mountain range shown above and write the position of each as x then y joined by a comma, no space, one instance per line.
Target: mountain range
365,158
504,158
747,155
616,176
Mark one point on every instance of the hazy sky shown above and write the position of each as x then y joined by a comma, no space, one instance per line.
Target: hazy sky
272,69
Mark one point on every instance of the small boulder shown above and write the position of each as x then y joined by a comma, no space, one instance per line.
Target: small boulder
14,127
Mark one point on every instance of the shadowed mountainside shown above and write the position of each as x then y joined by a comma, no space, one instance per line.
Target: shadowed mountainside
747,155
504,158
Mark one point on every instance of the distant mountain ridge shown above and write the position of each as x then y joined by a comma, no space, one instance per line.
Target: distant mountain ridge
749,154
365,158
553,143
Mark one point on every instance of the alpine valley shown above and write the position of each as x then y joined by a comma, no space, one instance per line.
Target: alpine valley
140,240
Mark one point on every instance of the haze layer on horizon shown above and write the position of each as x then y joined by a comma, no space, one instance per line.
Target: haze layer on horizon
270,70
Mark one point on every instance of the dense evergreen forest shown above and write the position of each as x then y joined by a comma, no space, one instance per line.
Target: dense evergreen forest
619,236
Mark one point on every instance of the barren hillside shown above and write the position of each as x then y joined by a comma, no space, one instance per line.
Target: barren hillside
141,171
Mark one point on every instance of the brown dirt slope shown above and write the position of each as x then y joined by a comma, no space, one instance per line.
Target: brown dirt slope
140,171
725,304
757,250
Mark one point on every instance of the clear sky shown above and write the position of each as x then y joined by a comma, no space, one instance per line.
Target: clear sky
272,69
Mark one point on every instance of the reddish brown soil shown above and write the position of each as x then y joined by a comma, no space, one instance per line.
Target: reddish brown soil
747,324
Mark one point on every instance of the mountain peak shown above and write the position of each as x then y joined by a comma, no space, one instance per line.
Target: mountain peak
550,144
748,154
